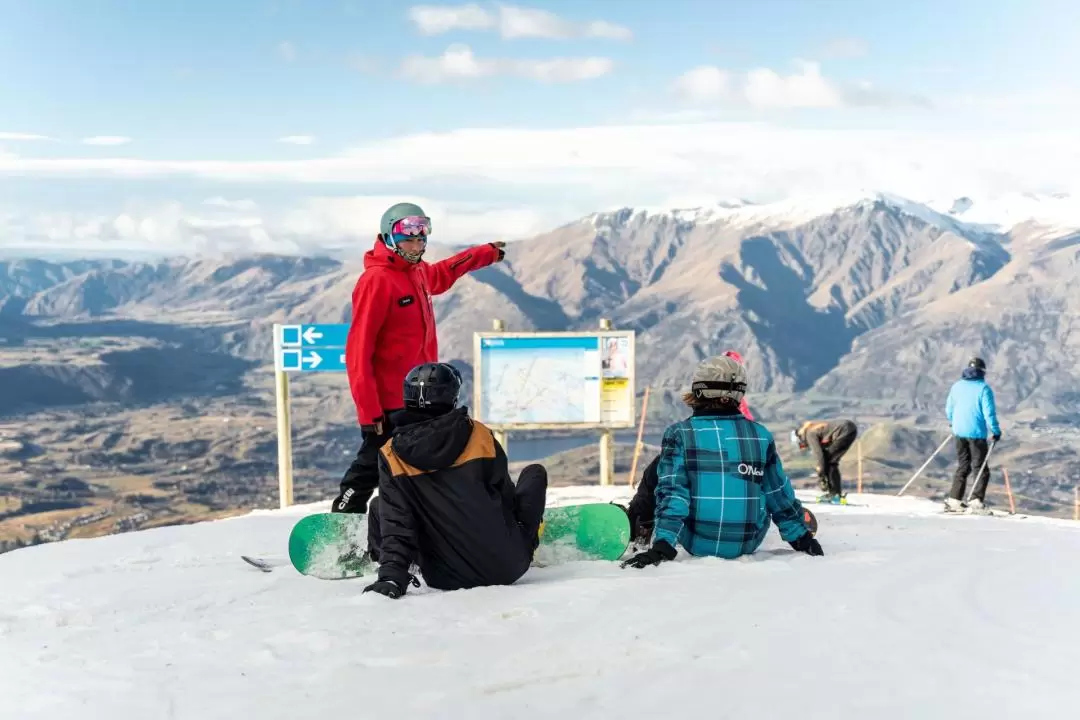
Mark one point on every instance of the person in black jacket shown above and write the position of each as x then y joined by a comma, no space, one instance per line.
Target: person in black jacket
446,501
828,442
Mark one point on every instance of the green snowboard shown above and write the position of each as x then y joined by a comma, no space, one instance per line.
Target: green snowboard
331,546
589,531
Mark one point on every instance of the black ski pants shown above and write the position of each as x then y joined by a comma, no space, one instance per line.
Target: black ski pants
830,479
970,455
362,478
642,508
530,497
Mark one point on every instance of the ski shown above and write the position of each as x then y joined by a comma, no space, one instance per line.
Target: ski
256,562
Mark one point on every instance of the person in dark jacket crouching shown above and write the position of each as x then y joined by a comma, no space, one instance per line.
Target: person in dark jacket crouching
446,501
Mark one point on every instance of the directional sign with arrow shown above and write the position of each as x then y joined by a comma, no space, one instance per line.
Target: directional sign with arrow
313,336
312,360
311,348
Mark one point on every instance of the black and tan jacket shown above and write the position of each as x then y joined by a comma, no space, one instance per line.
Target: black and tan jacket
446,502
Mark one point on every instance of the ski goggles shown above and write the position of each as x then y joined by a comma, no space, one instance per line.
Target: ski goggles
412,226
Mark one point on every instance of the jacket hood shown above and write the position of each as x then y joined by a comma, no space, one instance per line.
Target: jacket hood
429,443
973,374
381,256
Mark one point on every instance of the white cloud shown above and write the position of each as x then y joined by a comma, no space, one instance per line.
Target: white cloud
705,83
297,139
344,225
287,51
459,63
221,202
807,88
439,19
107,140
768,89
511,22
563,173
22,137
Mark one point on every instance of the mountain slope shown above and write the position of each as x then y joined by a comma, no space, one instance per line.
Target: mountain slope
876,297
172,624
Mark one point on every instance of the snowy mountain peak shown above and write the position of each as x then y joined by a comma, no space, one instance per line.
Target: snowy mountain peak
962,215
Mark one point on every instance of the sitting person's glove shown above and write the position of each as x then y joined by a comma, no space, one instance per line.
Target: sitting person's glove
389,588
392,583
808,544
658,553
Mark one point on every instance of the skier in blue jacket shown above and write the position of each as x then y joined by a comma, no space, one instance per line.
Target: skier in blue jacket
972,414
720,480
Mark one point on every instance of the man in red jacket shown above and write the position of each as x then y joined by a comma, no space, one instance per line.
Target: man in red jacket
393,331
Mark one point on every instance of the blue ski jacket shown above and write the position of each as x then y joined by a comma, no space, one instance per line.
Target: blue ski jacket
970,408
720,482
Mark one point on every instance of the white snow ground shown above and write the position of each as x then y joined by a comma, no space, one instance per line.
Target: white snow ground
910,614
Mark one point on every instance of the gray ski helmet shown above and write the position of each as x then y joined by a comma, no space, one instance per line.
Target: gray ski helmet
391,216
719,377
977,363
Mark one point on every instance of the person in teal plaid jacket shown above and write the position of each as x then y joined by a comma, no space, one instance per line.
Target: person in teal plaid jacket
720,480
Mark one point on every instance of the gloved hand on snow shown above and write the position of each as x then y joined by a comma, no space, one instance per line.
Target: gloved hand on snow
658,553
389,588
808,544
393,587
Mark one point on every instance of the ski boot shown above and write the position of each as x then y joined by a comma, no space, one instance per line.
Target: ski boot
952,505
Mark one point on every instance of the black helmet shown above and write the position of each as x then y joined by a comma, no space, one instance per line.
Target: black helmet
978,363
433,386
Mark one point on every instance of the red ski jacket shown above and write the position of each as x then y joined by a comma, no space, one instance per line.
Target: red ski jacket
393,322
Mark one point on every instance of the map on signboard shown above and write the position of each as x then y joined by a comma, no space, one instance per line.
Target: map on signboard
540,380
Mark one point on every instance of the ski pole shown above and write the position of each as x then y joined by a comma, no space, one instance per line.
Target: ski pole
919,471
975,480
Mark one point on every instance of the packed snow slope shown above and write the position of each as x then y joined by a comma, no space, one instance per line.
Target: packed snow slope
910,614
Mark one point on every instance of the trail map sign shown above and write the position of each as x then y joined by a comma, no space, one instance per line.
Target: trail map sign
554,380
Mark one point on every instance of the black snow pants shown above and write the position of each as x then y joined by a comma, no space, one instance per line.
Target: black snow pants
362,478
642,508
970,455
842,440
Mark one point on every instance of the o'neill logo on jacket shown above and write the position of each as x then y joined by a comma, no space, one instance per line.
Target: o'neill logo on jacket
745,469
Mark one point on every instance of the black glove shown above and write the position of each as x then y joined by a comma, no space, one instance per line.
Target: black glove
658,553
392,582
499,245
808,544
349,501
389,588
997,437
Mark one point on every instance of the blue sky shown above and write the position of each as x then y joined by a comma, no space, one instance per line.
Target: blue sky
122,106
